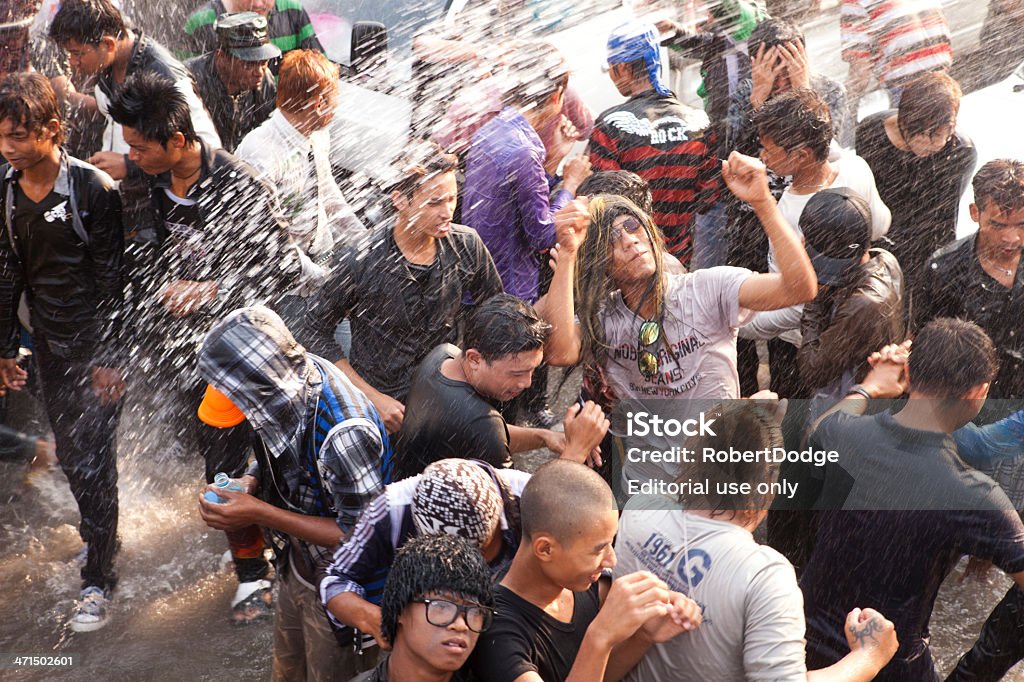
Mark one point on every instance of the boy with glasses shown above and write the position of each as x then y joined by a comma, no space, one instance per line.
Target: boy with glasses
437,602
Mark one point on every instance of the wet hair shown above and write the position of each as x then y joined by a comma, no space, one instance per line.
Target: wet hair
928,103
742,425
774,32
538,71
797,118
543,502
304,75
623,183
28,100
423,162
1002,182
950,357
86,22
504,325
154,107
433,564
594,284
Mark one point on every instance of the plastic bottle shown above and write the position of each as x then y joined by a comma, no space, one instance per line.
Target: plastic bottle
221,480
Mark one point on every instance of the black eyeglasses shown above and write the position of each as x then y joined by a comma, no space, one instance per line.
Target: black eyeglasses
630,226
442,613
647,362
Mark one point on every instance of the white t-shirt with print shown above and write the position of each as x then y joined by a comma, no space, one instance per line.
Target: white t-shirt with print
701,314
753,609
855,174
696,357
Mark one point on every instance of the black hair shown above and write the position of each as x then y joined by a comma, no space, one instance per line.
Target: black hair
538,71
28,100
621,183
742,425
794,119
950,357
152,105
504,325
1000,181
424,161
774,32
87,22
928,103
445,564
542,504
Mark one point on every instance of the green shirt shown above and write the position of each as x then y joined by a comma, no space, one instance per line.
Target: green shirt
288,26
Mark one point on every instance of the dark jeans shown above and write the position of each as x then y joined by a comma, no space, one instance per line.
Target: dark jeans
1000,645
84,431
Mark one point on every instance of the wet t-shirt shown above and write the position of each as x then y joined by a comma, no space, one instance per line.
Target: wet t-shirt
41,232
447,418
902,509
524,638
696,358
753,625
697,351
423,274
54,260
183,236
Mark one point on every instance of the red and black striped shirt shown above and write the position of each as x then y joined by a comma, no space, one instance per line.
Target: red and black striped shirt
671,146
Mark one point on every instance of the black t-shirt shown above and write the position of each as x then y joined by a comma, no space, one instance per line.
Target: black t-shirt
913,508
423,273
447,418
183,235
57,269
524,638
41,233
923,194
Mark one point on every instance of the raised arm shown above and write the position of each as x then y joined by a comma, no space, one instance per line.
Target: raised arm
558,309
795,282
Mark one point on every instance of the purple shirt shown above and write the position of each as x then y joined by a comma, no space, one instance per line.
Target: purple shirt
506,199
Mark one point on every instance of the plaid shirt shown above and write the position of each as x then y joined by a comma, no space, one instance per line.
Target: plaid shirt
252,358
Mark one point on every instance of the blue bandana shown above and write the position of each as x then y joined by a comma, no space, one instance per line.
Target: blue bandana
632,41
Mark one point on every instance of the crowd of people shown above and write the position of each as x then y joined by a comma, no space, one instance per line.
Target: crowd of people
365,379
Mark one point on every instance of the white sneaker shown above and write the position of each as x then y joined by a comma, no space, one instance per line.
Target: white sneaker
90,611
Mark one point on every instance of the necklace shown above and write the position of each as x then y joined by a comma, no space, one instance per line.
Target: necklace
1008,272
190,175
804,187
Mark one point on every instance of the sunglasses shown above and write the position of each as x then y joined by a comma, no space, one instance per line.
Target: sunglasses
442,613
647,362
630,226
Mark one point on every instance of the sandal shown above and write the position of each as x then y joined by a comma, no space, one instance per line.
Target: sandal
253,603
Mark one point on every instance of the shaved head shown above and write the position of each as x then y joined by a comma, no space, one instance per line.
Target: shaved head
561,500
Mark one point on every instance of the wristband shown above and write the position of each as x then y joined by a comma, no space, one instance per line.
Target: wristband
859,390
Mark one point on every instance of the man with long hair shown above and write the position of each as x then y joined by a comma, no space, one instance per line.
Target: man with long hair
652,334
